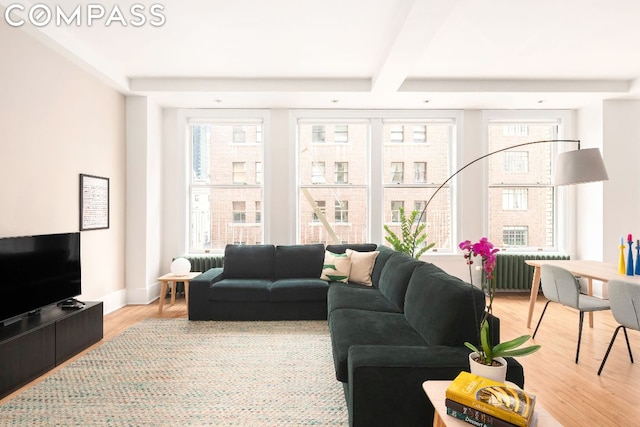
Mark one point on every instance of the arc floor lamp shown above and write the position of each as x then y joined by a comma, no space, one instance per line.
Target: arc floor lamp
572,167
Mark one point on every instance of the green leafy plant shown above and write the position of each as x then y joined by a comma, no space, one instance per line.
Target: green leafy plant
412,241
487,352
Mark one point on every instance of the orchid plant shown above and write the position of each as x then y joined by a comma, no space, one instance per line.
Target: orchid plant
487,352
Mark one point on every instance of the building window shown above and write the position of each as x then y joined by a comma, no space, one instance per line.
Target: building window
515,130
321,208
517,235
239,211
514,199
258,172
341,134
239,173
258,212
318,133
318,171
341,209
239,135
419,134
342,172
395,210
420,172
397,172
516,161
397,134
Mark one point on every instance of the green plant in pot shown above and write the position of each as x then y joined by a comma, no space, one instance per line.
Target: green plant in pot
411,242
488,352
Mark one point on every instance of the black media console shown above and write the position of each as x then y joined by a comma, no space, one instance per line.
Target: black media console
39,343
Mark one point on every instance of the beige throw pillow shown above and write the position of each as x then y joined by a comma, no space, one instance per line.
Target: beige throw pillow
361,266
336,267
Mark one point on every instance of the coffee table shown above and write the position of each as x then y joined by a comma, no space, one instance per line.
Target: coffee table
172,278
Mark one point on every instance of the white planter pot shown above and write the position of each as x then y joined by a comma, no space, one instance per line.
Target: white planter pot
495,373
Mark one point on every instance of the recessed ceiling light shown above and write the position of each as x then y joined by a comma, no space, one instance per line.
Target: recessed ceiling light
426,101
540,101
335,101
218,101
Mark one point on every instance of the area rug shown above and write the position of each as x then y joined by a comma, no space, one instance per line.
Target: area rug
173,372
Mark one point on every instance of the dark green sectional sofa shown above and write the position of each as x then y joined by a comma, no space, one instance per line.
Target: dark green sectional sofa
387,339
407,328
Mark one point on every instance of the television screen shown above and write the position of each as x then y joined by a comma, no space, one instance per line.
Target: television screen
36,271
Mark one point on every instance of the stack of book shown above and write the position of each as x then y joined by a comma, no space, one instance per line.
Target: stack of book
486,403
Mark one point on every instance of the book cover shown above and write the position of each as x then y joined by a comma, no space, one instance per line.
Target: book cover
474,416
493,398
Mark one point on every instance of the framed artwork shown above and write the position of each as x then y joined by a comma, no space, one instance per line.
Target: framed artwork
94,202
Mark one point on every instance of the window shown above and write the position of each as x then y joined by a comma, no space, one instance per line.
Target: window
318,133
321,209
221,184
397,172
515,235
520,188
341,210
342,172
420,172
318,173
397,134
514,199
516,161
333,181
239,212
395,210
258,212
411,190
419,134
342,134
239,173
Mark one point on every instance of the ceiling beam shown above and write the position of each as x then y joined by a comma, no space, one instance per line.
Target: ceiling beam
179,84
516,85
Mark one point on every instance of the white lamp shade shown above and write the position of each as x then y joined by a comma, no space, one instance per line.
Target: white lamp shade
578,166
180,266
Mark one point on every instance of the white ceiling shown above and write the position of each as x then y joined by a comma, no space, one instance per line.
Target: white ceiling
363,53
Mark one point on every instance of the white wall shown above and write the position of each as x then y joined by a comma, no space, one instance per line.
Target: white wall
56,122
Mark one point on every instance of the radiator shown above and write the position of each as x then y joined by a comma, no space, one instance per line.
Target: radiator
204,262
512,274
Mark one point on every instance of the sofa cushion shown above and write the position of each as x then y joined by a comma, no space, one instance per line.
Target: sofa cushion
441,307
360,247
249,261
395,276
351,327
361,266
299,261
343,295
336,267
381,260
298,290
240,290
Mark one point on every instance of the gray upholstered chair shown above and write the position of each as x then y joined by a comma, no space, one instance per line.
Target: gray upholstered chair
625,307
561,286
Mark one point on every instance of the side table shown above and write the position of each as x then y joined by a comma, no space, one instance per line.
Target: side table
170,277
436,390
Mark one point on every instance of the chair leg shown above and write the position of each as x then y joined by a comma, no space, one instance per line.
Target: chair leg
579,334
541,316
626,337
613,338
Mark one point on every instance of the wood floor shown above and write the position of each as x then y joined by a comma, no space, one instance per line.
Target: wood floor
573,393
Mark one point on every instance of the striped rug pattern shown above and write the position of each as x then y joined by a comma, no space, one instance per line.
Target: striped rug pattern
173,372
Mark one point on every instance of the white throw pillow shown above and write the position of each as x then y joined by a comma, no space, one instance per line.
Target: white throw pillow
336,267
361,266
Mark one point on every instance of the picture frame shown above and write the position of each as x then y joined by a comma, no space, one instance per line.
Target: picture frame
94,202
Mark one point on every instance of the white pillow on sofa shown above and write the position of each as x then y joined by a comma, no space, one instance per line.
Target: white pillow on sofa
336,267
361,266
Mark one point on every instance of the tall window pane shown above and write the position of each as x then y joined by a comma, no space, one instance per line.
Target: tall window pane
332,182
430,168
520,189
226,185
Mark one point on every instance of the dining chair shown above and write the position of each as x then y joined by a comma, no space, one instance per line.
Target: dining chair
561,286
625,307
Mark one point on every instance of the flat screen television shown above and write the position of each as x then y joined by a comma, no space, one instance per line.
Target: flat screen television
36,271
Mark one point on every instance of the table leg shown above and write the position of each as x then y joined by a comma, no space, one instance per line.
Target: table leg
174,285
535,286
163,292
186,295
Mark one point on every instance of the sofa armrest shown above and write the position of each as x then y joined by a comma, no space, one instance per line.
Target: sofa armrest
385,382
199,293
